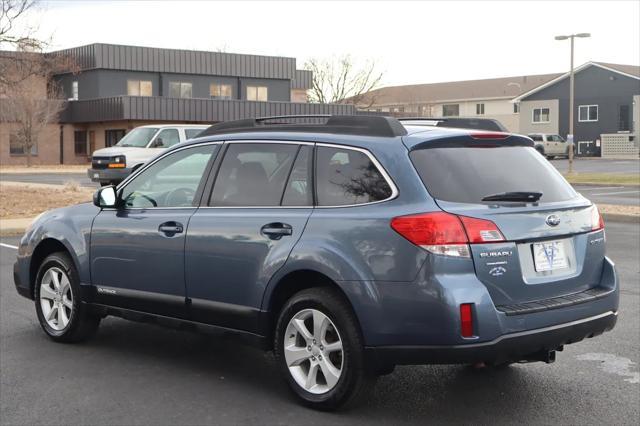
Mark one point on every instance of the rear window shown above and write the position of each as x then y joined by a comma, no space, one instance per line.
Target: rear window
466,175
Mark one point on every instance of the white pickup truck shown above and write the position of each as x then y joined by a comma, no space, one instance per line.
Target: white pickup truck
109,166
550,145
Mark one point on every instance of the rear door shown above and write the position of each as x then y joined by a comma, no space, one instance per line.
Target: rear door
258,208
549,248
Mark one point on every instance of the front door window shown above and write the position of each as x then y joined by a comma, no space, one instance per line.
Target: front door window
170,182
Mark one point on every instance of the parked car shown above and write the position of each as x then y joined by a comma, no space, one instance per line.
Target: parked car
347,248
109,166
550,145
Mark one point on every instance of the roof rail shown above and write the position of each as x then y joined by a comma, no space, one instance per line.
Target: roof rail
361,125
456,122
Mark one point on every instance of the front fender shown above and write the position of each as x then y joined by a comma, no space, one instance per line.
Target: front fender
71,227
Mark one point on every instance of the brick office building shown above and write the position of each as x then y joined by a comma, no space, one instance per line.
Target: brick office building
116,88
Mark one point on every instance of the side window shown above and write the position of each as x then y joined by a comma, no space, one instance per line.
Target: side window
168,137
536,138
346,177
253,174
298,190
192,133
170,182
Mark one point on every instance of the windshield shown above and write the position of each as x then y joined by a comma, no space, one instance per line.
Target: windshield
467,175
139,137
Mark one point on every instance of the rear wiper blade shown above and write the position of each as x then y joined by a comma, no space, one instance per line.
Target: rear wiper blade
531,197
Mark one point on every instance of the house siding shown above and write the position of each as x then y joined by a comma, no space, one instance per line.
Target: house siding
593,86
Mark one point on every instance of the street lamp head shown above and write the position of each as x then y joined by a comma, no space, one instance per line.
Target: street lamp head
583,35
561,37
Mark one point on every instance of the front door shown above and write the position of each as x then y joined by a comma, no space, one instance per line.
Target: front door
137,250
259,206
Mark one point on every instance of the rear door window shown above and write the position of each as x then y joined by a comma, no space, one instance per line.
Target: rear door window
348,177
467,175
253,174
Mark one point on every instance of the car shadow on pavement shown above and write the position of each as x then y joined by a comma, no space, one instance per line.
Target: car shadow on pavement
445,393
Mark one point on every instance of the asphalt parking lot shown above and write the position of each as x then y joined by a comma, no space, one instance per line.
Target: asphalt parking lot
614,194
140,374
50,178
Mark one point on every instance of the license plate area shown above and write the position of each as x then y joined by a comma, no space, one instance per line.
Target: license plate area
96,175
550,255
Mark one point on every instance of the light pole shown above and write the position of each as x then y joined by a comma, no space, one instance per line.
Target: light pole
571,97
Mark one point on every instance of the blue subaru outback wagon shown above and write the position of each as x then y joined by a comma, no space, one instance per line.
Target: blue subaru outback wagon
347,245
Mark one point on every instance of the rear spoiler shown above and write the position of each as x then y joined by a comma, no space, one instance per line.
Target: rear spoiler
456,122
476,140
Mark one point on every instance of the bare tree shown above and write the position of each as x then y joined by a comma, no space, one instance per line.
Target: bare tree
29,98
342,80
17,35
11,12
30,106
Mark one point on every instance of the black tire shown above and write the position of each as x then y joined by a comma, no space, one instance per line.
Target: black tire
550,157
82,323
355,378
540,150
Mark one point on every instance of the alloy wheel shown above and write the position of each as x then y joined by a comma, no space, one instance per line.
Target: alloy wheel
313,351
56,298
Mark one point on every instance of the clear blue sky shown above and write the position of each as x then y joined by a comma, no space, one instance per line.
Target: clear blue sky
412,42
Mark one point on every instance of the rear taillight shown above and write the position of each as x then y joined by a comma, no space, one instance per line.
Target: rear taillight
480,230
445,233
597,222
466,320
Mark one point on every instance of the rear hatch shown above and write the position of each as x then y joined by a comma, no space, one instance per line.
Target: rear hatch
551,245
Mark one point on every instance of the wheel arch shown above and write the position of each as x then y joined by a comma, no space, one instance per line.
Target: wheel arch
292,283
44,248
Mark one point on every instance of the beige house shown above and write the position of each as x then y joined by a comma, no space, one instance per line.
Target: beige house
488,98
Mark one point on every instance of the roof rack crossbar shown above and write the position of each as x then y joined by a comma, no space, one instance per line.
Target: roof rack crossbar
362,125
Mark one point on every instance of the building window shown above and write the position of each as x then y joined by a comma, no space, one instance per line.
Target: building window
139,88
74,91
113,136
451,110
623,118
80,142
588,113
257,93
479,109
16,147
220,91
540,115
516,108
179,89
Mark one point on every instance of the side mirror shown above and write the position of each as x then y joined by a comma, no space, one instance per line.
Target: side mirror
157,143
105,197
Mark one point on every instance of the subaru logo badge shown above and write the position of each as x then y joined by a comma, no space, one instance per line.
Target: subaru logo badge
553,220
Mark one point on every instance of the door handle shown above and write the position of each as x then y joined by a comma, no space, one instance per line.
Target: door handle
276,230
171,228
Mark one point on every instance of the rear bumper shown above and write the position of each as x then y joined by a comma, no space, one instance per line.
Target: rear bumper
108,175
509,347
